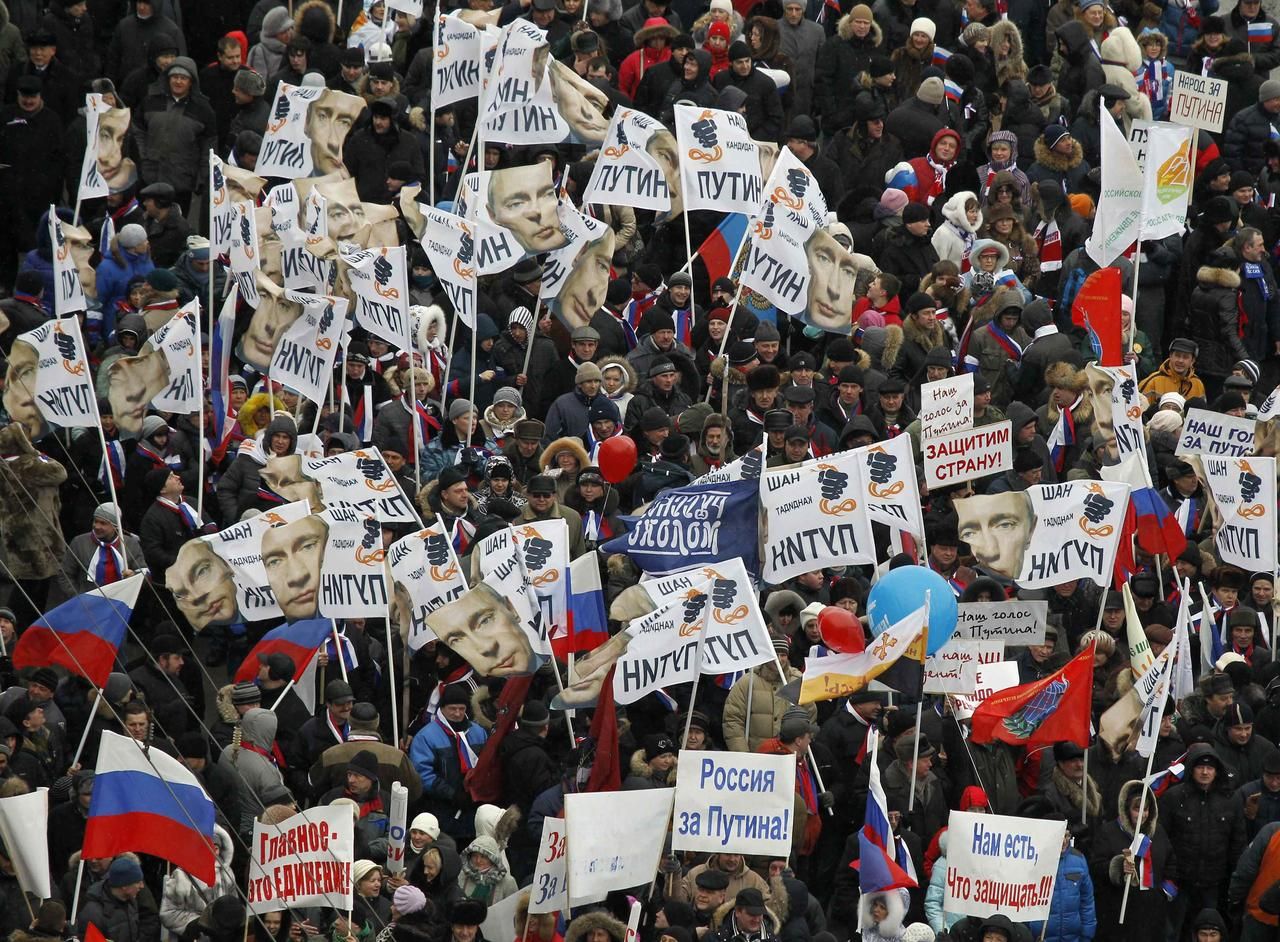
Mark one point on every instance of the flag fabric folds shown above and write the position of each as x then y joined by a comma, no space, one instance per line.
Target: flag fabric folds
878,869
721,247
300,640
838,675
1052,709
149,802
83,634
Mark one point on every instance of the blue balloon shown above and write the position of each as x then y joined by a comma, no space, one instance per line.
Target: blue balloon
901,591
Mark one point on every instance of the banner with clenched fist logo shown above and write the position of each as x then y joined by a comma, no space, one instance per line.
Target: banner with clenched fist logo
1048,534
815,516
544,550
48,379
636,166
330,564
426,575
502,566
380,282
360,481
665,645
719,162
1245,491
890,488
304,355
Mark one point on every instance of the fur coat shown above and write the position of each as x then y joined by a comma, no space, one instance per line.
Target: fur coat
30,505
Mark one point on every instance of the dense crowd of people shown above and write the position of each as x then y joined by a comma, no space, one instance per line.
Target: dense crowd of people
958,146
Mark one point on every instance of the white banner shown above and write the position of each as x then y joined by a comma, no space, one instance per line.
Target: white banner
1167,177
93,185
353,581
663,646
812,519
398,829
997,863
615,840
68,294
953,669
1072,531
549,892
303,861
719,162
575,277
450,244
734,803
987,679
426,575
626,173
544,552
305,353
24,824
177,341
1245,491
1118,218
1118,407
361,481
55,372
286,147
736,636
502,567
946,405
380,283
222,211
1014,622
520,107
967,454
245,259
1212,433
890,491
1198,101
455,66
284,205
496,248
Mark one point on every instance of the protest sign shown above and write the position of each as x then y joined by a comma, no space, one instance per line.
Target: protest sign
544,553
98,160
520,106
615,840
1212,433
967,454
24,823
953,669
397,831
1071,531
1198,101
664,645
485,629
746,468
305,860
329,564
1245,491
503,566
48,379
426,575
695,525
380,283
734,803
946,406
1117,408
812,518
987,679
456,64
450,244
1117,220
304,354
575,277
361,481
499,917
549,892
1167,175
286,151
177,343
1013,622
998,863
627,171
243,254
719,162
890,491
736,636
68,294
221,208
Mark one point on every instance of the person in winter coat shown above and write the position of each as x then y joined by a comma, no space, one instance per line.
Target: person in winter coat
1121,60
733,866
1002,152
916,121
1004,226
865,151
911,57
841,60
250,760
1263,41
1059,161
757,691
1180,20
238,487
434,751
909,253
800,39
1071,911
121,904
485,874
1244,144
174,131
652,47
653,765
961,219
931,170
185,897
921,334
1259,295
763,109
267,54
939,920
1206,828
1252,883
693,85
990,346
1111,862
883,914
1215,319
143,28
1081,69
369,152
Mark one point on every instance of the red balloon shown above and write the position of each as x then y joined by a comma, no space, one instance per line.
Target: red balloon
617,457
841,630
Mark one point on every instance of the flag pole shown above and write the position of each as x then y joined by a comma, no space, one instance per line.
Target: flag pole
528,347
75,900
200,414
84,737
337,649
915,752
813,762
1142,800
111,486
415,423
284,693
391,675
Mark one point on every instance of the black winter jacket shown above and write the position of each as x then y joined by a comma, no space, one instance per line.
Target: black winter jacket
1215,321
1244,144
1206,827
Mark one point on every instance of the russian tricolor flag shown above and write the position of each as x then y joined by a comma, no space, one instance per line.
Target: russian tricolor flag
1260,32
300,640
940,56
1161,782
953,91
588,623
113,464
877,869
149,802
220,370
83,634
721,247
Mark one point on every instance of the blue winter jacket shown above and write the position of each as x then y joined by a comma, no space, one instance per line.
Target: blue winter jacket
1176,23
1071,916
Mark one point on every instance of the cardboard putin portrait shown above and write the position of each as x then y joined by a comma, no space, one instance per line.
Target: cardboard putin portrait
329,121
997,528
283,475
483,628
274,316
293,556
524,201
203,584
833,275
20,389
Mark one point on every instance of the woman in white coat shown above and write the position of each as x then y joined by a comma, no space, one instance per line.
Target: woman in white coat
186,897
961,220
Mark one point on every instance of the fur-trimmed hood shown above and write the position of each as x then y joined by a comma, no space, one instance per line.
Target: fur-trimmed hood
429,501
725,911
538,924
362,88
640,768
981,244
953,210
909,51
632,380
398,381
315,20
584,925
1109,24
1012,65
889,341
1209,277
574,445
426,316
912,332
1127,791
891,927
1121,48
497,823
226,709
844,29
736,376
1055,161
1158,35
248,426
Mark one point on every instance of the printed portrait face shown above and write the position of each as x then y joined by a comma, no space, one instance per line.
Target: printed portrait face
344,212
284,476
329,120
584,290
273,317
523,200
580,103
997,528
203,585
832,276
662,148
483,628
132,382
1100,386
590,671
20,389
292,555
116,169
